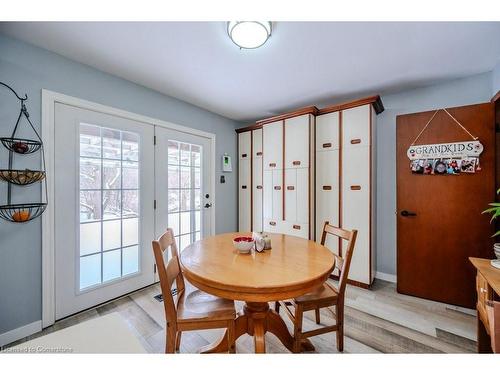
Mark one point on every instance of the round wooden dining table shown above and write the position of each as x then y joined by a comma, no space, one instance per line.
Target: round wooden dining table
294,266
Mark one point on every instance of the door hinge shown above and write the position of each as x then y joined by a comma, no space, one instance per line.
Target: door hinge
154,140
154,204
154,268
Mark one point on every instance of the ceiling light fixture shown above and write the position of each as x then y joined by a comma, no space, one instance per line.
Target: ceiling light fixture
249,34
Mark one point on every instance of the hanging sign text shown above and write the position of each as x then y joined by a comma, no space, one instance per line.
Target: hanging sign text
445,150
445,158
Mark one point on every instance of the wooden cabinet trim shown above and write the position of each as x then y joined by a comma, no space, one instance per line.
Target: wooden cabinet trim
299,112
375,101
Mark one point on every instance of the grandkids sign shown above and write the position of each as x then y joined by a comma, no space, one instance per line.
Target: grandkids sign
445,150
445,158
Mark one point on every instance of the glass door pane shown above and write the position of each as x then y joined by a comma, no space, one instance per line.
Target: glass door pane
109,205
184,191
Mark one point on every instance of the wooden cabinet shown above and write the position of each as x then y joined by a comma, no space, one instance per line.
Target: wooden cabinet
356,129
297,142
296,195
356,209
244,145
358,189
327,132
244,195
273,200
327,194
345,193
484,294
257,146
272,145
297,202
277,194
257,181
312,166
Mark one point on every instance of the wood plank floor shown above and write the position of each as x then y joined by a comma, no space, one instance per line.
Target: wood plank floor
376,321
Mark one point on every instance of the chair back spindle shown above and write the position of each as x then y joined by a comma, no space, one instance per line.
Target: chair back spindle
342,263
169,273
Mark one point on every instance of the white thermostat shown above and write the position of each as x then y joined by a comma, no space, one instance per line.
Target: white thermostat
226,163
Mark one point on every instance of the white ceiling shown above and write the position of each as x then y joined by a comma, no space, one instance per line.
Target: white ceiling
301,64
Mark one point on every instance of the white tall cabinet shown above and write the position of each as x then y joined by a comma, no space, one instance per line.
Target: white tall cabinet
272,145
244,182
302,169
257,181
358,188
345,181
327,175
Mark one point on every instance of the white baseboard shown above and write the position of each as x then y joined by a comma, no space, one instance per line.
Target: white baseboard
19,333
385,276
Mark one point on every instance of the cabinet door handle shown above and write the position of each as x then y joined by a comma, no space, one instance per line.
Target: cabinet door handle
243,155
290,188
327,187
259,153
296,162
273,223
355,141
355,187
277,188
272,165
243,186
296,226
327,145
259,187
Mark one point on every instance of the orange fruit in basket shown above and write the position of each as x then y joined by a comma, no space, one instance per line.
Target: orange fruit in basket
21,216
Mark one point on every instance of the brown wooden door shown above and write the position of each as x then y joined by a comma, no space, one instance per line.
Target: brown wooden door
433,247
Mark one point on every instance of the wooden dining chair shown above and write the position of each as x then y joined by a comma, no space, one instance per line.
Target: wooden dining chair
187,308
325,296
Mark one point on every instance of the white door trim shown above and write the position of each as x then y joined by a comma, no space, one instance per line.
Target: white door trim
49,99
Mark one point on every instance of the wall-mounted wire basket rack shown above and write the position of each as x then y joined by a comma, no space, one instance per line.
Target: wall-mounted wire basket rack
22,212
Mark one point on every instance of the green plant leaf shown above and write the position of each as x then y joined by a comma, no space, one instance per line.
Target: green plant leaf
495,215
496,234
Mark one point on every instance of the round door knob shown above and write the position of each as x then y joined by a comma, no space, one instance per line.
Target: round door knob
208,205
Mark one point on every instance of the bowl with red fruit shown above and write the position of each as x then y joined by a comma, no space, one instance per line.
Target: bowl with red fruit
243,244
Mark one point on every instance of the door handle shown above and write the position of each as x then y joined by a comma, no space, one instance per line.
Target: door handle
208,205
408,213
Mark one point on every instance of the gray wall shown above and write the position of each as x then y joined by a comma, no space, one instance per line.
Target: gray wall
470,90
29,69
495,80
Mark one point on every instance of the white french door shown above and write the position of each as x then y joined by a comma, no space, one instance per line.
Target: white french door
104,215
106,172
184,193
